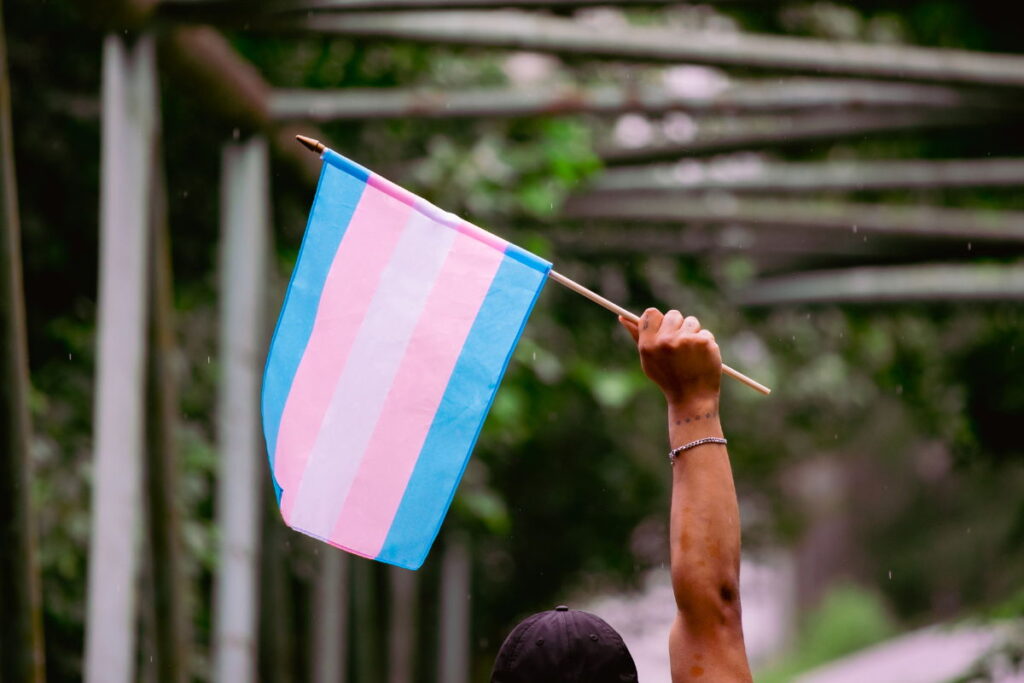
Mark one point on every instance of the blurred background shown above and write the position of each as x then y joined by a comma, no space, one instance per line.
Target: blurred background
834,188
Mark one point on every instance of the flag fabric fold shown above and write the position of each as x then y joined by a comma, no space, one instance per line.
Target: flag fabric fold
396,329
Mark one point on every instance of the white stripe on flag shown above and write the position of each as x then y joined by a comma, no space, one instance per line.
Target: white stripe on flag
369,372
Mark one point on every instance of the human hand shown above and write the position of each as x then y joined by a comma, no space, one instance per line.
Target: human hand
680,357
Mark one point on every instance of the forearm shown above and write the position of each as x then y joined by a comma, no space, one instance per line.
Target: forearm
706,640
704,525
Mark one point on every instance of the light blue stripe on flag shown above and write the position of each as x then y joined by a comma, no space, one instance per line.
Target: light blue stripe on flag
465,404
337,195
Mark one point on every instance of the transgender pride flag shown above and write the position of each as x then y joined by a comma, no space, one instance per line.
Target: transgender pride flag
395,332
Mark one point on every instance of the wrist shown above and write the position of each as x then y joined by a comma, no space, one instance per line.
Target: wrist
693,404
693,419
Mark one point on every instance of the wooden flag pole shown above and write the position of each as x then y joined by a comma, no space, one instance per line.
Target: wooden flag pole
615,308
319,147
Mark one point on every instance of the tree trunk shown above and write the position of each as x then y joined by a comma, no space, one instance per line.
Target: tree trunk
129,103
21,632
243,268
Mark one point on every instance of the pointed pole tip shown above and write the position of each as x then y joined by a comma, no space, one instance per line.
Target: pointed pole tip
311,144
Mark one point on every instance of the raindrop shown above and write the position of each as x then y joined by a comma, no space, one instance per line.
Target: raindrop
69,356
890,575
207,360
969,247
854,229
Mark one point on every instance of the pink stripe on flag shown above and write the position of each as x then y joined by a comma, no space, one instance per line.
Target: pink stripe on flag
467,228
414,397
365,249
362,389
387,187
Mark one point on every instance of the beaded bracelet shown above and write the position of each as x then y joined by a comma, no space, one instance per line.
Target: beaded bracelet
674,453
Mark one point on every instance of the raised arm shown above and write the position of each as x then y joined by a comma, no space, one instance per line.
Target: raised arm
706,639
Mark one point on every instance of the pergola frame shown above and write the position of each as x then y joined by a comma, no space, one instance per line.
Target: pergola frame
964,89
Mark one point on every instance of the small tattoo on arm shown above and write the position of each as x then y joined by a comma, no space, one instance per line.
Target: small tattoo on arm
705,416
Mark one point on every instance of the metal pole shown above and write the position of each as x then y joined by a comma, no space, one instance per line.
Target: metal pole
889,284
402,630
453,657
538,32
330,637
129,103
243,256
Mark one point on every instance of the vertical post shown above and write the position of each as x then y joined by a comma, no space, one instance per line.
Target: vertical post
453,662
21,633
129,102
402,625
277,633
168,587
245,236
330,640
366,621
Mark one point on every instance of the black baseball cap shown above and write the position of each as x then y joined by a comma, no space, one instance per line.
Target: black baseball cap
565,646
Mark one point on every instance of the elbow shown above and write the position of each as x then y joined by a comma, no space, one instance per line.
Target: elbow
714,602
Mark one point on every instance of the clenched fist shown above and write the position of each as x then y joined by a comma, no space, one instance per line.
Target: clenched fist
680,357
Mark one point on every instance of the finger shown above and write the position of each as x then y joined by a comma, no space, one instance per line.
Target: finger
631,327
691,324
706,334
673,321
650,323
